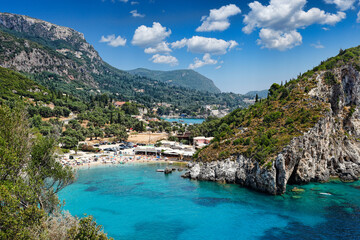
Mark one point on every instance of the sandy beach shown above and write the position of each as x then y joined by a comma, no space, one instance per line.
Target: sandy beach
83,159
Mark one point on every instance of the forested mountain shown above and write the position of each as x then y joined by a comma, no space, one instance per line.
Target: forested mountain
183,78
305,130
61,59
261,94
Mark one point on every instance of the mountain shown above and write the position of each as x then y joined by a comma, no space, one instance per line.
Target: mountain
261,94
306,131
59,58
184,78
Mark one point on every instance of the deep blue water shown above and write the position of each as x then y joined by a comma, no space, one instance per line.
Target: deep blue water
135,202
186,120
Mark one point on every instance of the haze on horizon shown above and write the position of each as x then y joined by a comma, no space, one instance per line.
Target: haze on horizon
240,45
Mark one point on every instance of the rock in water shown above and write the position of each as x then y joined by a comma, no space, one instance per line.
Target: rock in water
168,170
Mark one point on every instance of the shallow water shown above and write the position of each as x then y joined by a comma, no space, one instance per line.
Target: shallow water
136,202
186,120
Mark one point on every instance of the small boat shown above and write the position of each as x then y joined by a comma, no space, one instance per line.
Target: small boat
160,170
326,194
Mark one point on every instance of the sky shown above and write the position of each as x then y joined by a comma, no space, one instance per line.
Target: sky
241,45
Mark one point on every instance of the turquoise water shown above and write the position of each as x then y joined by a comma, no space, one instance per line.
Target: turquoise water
186,120
136,202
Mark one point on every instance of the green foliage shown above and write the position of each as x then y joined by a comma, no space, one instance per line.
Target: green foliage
263,129
224,154
329,78
87,229
30,178
271,117
183,78
238,141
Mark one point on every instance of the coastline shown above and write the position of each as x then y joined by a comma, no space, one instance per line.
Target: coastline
94,165
137,159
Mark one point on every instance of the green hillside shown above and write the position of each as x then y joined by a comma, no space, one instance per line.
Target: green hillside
264,129
183,78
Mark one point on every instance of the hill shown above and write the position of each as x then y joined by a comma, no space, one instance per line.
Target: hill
183,78
261,94
60,58
306,130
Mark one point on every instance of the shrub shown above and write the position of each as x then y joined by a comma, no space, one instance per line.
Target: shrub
329,78
271,117
224,154
238,141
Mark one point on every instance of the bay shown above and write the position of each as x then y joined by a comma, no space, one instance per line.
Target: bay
136,202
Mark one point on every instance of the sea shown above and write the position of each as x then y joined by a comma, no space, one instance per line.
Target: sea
185,120
133,201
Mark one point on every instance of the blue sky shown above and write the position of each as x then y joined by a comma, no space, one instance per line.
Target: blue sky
241,45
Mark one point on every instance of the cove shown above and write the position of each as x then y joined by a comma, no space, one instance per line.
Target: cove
136,202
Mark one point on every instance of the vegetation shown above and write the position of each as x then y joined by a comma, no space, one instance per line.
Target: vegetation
183,78
107,79
264,129
30,178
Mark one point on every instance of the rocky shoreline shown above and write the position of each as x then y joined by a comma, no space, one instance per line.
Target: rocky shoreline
330,149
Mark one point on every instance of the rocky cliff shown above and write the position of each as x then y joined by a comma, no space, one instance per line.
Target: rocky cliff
330,148
35,46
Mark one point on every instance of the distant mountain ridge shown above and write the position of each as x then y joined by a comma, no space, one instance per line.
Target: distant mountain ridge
183,78
261,94
60,58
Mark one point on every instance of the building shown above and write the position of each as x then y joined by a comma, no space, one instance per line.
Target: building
200,142
119,104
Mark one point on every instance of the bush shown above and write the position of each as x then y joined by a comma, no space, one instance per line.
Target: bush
238,141
224,154
272,117
330,79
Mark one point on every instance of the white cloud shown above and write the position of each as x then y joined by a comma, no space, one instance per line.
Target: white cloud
150,36
358,17
179,44
343,5
205,61
162,47
135,13
283,18
325,29
279,40
233,44
199,44
124,1
317,45
218,19
286,15
113,41
167,59
134,3
218,67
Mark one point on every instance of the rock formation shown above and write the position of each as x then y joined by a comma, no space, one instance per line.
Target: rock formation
330,149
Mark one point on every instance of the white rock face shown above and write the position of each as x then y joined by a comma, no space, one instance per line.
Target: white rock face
330,149
29,57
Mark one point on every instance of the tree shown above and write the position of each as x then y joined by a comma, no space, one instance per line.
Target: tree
87,229
36,121
98,133
69,142
30,177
